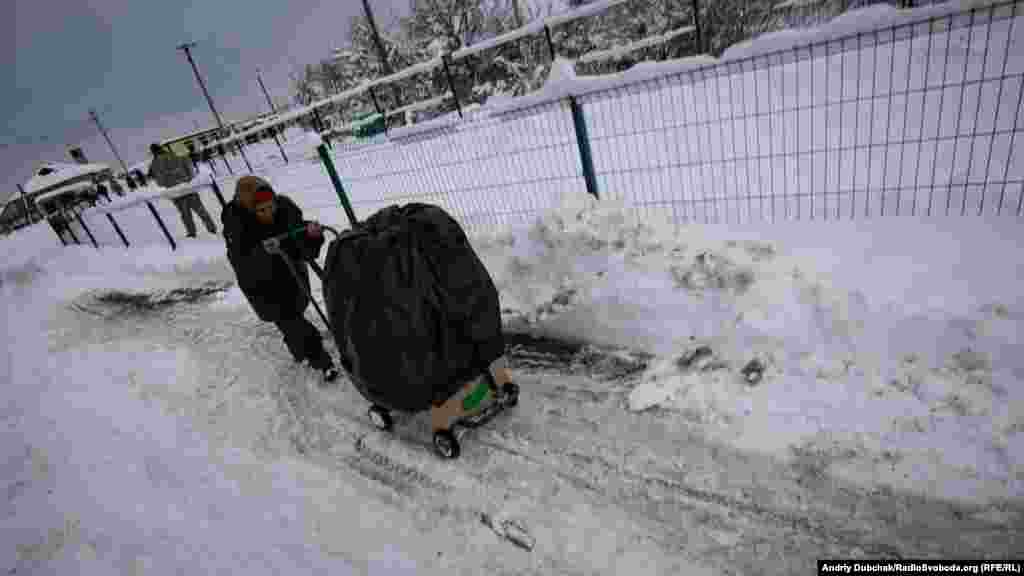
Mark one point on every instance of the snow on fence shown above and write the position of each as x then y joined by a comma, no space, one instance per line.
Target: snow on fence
920,118
919,115
147,216
621,51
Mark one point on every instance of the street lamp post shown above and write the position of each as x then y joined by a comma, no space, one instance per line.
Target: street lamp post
96,119
273,130
273,110
187,49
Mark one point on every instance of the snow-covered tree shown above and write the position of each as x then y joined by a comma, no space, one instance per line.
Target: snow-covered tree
728,22
437,27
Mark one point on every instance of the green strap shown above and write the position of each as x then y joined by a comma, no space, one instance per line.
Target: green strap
474,398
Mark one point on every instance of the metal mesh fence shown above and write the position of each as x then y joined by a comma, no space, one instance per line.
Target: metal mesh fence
487,170
920,118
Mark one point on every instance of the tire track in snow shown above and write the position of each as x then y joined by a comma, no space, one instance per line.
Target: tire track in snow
572,444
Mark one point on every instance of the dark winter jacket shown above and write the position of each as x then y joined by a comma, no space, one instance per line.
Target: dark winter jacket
265,279
169,170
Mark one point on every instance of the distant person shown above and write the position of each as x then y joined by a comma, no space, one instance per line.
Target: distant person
169,170
115,187
193,155
255,214
102,192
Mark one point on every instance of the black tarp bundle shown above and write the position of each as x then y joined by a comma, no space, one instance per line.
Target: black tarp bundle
414,312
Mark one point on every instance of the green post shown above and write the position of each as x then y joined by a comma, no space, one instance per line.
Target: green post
325,157
583,143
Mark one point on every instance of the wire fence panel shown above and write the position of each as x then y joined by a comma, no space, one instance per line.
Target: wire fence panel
486,171
924,118
921,118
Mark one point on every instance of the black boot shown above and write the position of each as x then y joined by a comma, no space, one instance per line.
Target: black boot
325,365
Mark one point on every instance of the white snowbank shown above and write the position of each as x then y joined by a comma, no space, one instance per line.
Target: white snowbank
890,347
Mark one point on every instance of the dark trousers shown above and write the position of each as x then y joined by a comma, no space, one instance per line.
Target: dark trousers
188,204
304,342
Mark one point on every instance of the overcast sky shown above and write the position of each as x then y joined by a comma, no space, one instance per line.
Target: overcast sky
119,57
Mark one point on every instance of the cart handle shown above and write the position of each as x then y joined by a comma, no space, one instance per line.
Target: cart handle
273,244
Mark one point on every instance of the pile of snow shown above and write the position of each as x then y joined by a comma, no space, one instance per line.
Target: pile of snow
891,350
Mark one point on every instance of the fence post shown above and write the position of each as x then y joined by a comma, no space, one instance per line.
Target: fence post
57,232
67,223
241,150
329,164
216,190
224,158
451,83
319,127
583,143
160,221
87,231
376,104
281,148
118,229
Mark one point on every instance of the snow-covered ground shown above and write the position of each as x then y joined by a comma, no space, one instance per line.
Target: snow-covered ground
890,354
177,437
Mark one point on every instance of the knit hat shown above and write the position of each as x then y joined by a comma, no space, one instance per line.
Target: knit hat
252,191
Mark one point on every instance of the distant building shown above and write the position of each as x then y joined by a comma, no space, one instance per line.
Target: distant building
202,138
179,145
61,183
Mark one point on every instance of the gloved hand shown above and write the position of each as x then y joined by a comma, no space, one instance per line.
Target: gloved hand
313,230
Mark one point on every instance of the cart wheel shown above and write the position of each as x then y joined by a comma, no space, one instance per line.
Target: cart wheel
446,444
381,418
511,392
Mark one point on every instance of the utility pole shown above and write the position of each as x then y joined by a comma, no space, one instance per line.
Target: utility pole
96,119
186,48
272,111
